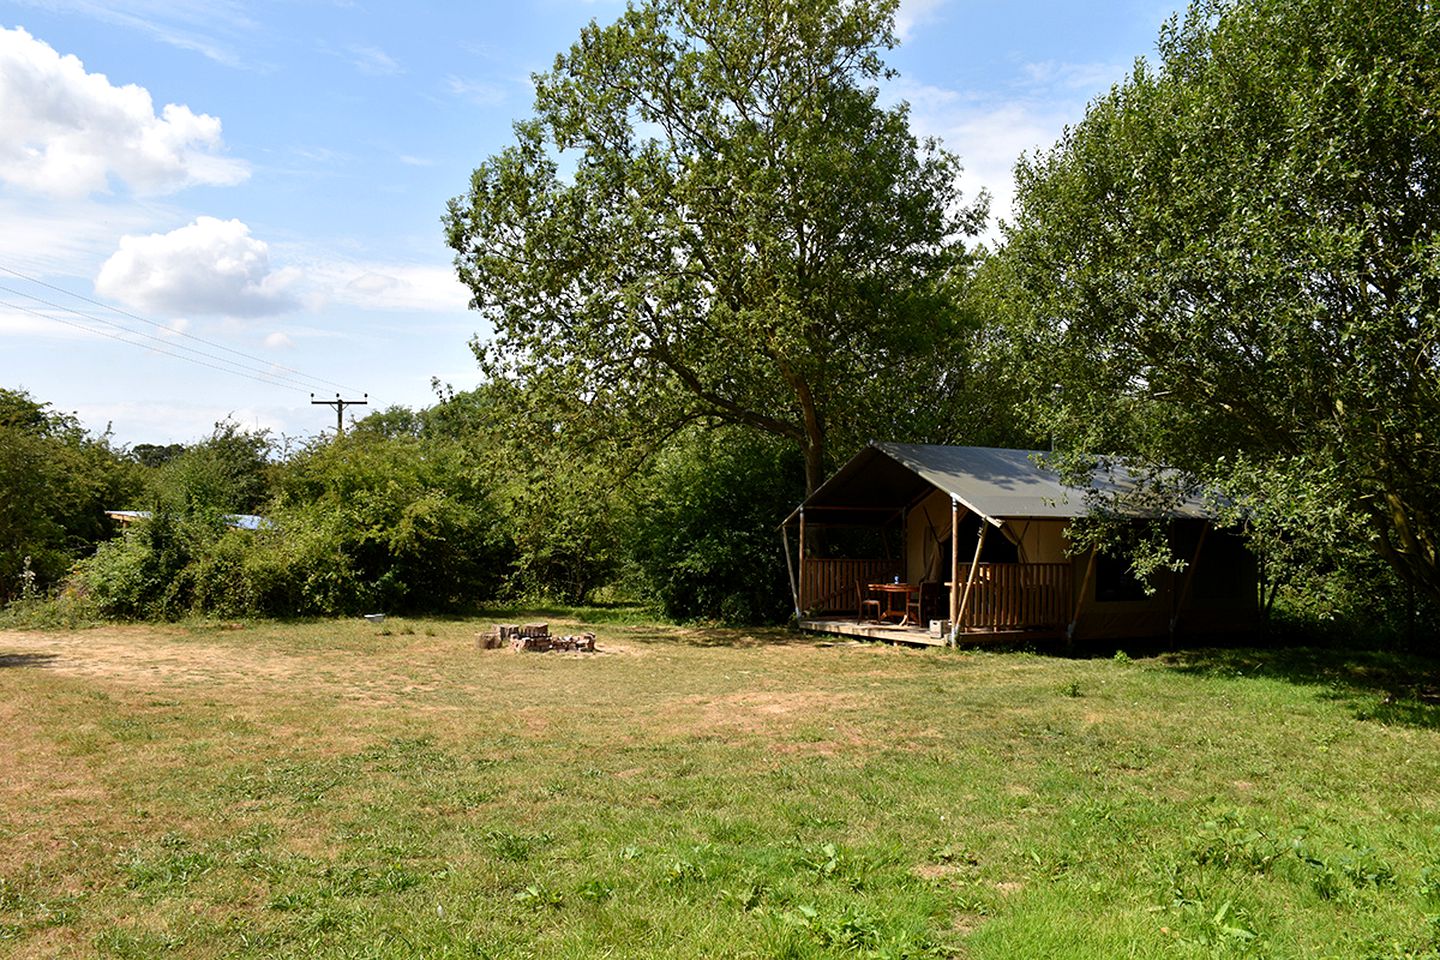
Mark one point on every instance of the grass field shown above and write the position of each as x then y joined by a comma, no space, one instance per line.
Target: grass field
346,790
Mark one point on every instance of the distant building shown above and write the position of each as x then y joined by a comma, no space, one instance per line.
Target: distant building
239,521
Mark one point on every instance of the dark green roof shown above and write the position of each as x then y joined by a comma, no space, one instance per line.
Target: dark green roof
997,484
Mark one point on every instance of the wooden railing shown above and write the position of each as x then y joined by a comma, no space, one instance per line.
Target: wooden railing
829,585
1017,596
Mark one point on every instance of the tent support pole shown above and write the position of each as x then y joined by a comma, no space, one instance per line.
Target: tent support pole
1189,581
790,568
970,579
954,569
801,591
1080,601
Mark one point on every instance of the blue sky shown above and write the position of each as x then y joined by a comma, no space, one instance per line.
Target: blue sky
263,182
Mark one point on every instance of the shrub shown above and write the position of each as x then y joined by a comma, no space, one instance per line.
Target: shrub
704,536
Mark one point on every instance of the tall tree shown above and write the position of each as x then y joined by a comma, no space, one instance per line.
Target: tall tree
55,483
1231,265
711,217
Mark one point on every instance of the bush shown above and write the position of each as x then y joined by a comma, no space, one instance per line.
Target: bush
363,523
705,534
55,483
399,523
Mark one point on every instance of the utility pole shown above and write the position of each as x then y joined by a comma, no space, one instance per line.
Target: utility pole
340,406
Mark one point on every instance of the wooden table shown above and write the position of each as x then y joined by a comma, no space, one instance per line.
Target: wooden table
891,591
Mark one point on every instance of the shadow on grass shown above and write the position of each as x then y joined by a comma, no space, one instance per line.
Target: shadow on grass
27,660
617,613
641,624
712,636
1378,685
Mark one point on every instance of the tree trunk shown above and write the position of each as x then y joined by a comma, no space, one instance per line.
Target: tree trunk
814,443
1406,545
814,465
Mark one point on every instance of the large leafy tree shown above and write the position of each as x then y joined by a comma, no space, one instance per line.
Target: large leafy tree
711,217
1231,265
56,481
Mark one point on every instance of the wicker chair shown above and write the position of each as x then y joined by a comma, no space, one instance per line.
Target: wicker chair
864,603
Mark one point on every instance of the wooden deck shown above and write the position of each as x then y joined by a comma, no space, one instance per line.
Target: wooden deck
918,636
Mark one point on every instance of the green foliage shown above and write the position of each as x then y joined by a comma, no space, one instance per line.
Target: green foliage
228,472
1230,268
559,488
55,482
747,237
411,522
144,573
380,519
153,455
704,534
167,567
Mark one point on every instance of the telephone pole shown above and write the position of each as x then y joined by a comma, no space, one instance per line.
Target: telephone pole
340,406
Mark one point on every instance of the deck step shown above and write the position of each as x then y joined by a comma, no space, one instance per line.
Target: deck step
919,636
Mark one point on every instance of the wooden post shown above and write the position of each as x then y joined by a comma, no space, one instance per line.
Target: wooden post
1185,590
905,545
954,569
1080,600
801,591
974,566
790,567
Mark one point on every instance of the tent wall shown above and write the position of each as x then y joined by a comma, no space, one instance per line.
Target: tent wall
1228,605
1040,541
927,526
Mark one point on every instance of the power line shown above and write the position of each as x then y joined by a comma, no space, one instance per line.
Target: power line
189,336
253,375
302,384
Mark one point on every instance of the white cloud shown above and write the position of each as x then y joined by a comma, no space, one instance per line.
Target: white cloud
376,286
208,267
400,287
319,154
373,60
23,318
990,132
476,91
193,25
67,132
412,161
64,237
140,422
1090,78
991,139
912,13
279,340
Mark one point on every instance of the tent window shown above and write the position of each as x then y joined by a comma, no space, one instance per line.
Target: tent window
1114,583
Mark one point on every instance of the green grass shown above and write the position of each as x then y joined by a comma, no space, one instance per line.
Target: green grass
339,789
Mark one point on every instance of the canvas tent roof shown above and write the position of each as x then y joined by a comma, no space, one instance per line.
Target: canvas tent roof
998,484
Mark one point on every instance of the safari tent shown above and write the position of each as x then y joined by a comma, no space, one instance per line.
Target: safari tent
937,544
